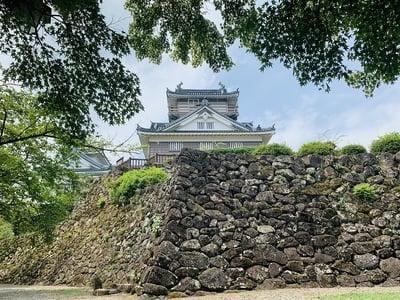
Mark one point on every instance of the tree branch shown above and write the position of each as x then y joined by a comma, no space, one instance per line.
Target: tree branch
30,125
3,126
46,134
114,150
7,84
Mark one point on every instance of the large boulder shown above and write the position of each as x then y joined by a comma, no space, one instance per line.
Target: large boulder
194,259
391,266
366,261
154,289
214,279
160,276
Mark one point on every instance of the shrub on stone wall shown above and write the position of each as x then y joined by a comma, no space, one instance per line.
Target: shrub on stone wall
238,150
273,149
364,191
317,147
125,186
352,149
387,143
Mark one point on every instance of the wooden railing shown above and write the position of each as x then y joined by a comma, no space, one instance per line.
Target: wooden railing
160,159
137,163
221,108
132,163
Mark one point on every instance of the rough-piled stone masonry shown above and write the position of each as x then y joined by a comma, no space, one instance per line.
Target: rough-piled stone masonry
240,222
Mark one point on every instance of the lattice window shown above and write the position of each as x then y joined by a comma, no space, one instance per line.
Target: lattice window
175,146
206,145
235,144
205,125
193,102
201,125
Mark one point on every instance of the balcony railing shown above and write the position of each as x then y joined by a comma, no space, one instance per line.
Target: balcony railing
137,163
160,159
132,163
186,108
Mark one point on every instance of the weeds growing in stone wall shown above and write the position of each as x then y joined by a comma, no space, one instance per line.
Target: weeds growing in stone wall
364,191
387,143
273,149
317,147
101,202
237,150
352,149
156,225
126,186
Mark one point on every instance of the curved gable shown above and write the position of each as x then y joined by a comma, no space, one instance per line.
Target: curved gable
205,118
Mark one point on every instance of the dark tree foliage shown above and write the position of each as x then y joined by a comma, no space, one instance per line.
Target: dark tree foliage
321,41
65,51
37,187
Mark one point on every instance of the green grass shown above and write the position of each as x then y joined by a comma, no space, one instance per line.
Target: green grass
363,296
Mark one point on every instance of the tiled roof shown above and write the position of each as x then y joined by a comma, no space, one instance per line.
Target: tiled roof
159,127
95,163
202,92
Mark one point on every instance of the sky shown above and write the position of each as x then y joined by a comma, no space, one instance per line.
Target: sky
300,113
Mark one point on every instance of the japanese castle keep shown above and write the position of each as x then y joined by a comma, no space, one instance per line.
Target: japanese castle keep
201,119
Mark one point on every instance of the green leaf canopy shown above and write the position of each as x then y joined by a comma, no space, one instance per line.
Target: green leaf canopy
321,41
37,189
65,51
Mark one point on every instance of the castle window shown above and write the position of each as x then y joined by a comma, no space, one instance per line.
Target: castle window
193,102
206,145
201,125
205,125
235,144
175,146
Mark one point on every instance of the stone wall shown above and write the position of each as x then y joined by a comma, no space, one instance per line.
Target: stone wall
241,222
230,222
111,242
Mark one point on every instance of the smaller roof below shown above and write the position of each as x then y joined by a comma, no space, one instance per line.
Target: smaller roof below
170,127
92,163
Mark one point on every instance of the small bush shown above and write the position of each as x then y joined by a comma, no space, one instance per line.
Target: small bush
101,202
273,149
6,230
238,150
317,147
387,143
352,149
364,191
130,182
156,225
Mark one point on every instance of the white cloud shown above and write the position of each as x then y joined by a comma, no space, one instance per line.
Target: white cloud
296,126
154,81
343,115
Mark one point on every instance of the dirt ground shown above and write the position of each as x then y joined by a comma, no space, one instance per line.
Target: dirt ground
8,292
